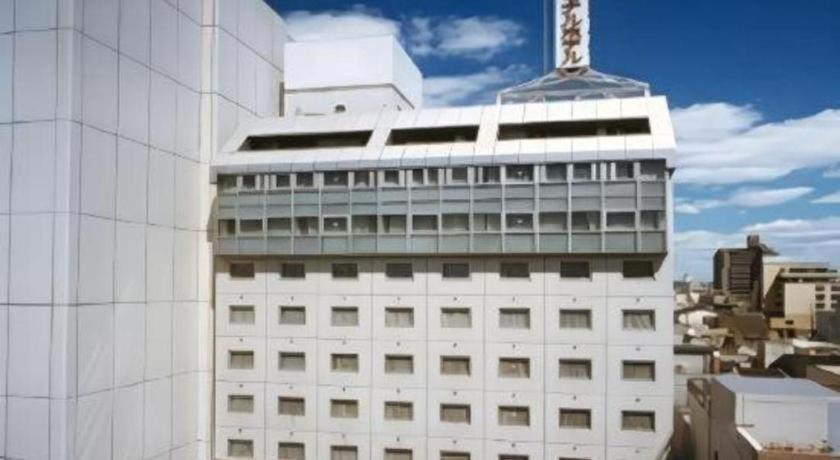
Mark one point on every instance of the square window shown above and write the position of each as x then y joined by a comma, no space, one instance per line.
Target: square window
292,361
344,408
575,270
638,370
250,226
241,360
638,421
455,318
519,222
586,220
575,319
455,413
399,317
455,365
417,177
652,169
424,224
490,175
292,316
516,368
552,221
402,270
280,225
519,173
399,364
282,181
242,270
514,270
241,314
391,178
243,404
576,418
515,318
487,222
362,179
364,225
344,453
226,184
291,451
576,369
432,176
446,455
335,179
240,448
456,270
399,410
344,317
344,362
621,220
345,270
227,227
639,320
335,225
293,270
291,406
459,175
306,226
514,416
303,180
456,223
637,269
249,183
394,225
555,173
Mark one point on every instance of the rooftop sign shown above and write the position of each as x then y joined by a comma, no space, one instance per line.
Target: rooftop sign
572,34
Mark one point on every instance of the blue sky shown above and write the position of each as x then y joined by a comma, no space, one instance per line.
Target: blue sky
754,86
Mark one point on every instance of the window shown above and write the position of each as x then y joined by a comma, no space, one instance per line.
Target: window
514,270
456,270
241,314
459,176
227,184
455,223
455,365
638,370
426,224
399,317
305,226
490,175
335,179
638,421
519,173
240,448
637,269
576,418
519,222
362,179
345,270
291,406
249,183
292,316
288,270
280,225
576,369
241,360
227,227
446,455
291,451
344,317
455,318
638,320
344,453
394,225
487,222
335,225
241,403
298,141
586,220
398,454
621,220
398,410
513,457
555,173
344,408
575,270
652,220
241,270
515,318
455,413
344,362
575,319
250,226
514,416
519,368
417,177
282,181
432,176
443,134
304,180
391,178
552,221
399,270
582,171
624,170
399,364
292,361
652,170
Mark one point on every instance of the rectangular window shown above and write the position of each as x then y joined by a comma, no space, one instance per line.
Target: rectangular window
514,270
364,225
227,227
304,180
514,318
576,418
552,221
512,457
417,177
487,222
517,368
394,225
344,362
555,173
241,403
300,141
652,169
293,271
459,176
291,451
576,369
226,184
241,360
432,176
292,361
335,225
455,365
335,179
344,317
344,408
399,364
399,317
282,181
638,421
575,319
582,171
280,225
249,183
455,413
455,318
240,448
639,320
621,220
241,270
637,269
292,316
624,170
586,221
398,454
241,314
519,222
391,178
514,416
427,224
519,173
399,410
446,455
362,179
575,270
456,270
402,270
291,406
250,226
652,220
306,226
434,135
638,370
490,175
345,271
344,453
456,223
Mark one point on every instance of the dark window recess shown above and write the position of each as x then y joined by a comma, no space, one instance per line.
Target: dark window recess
241,270
433,135
574,129
307,141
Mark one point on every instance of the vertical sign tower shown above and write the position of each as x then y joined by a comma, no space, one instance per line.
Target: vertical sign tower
572,35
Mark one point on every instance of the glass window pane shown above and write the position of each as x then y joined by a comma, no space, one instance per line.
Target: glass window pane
242,314
455,365
249,183
280,225
304,180
344,453
291,406
637,269
652,169
576,418
344,408
394,225
288,270
652,220
306,226
292,361
250,226
575,270
514,416
242,270
391,178
417,177
240,448
576,369
399,270
487,222
227,227
398,410
586,220
345,270
292,316
455,413
424,223
555,173
242,360
638,370
454,223
335,225
456,270
454,456
621,220
553,221
241,403
399,364
398,454
344,317
514,270
490,175
638,421
519,368
226,184
399,317
519,222
624,170
575,319
639,320
519,173
515,318
291,451
582,171
282,181
362,179
455,317
335,179
344,362
432,176
459,175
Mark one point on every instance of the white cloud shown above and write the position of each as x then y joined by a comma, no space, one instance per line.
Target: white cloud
833,173
832,198
745,198
358,21
474,37
476,87
722,143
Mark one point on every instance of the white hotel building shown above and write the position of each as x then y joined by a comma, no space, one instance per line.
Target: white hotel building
218,243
